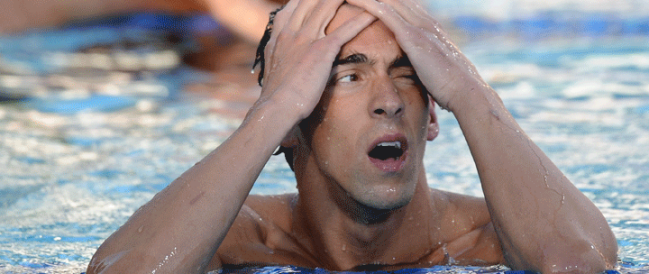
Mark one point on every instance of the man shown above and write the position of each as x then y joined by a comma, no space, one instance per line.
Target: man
244,18
348,93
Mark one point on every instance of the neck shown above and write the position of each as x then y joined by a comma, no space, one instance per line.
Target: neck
346,235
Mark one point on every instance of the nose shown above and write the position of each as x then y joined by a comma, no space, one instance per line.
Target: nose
386,100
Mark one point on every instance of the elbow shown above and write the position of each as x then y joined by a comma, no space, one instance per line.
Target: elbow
587,259
560,256
586,264
104,262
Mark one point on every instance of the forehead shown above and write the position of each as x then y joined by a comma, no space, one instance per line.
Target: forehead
375,37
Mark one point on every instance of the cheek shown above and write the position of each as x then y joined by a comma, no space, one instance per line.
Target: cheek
420,117
334,142
336,136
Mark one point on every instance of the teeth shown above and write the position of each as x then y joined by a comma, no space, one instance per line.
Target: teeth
396,144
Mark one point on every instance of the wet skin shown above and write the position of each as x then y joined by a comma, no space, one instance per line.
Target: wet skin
339,91
355,211
372,98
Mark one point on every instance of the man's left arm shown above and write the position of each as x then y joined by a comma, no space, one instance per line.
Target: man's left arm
543,221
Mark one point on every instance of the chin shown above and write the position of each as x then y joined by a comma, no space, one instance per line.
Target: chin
386,199
374,209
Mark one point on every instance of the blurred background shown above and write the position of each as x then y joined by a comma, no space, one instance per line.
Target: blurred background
102,105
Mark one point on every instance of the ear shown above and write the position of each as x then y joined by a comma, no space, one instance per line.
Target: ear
433,125
291,139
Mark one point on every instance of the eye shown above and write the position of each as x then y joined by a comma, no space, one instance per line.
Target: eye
404,75
348,78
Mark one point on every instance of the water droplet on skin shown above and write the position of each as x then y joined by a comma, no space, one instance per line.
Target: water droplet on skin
344,247
252,71
139,230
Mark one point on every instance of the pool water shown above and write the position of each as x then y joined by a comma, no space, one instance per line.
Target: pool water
82,147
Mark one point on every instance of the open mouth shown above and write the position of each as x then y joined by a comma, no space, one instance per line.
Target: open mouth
386,150
388,153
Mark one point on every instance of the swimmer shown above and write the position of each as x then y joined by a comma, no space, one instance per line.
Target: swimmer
349,94
245,18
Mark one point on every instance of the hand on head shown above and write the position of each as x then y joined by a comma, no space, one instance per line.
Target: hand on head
304,51
442,68
299,56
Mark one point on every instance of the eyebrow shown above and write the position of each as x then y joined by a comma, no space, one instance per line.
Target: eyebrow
401,61
357,58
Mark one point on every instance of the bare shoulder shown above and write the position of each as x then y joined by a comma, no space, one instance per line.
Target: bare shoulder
461,210
273,210
261,233
466,230
259,216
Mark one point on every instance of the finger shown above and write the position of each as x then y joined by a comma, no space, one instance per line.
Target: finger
301,12
322,15
384,12
275,25
350,29
401,28
416,13
413,11
279,20
405,10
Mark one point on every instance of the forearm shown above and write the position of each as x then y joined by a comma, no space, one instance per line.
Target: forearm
179,230
543,221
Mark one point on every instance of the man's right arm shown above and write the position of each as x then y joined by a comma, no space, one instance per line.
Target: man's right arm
181,228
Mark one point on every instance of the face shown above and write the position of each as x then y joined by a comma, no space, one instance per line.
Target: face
368,134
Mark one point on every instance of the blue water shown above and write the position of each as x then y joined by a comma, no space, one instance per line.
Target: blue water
81,151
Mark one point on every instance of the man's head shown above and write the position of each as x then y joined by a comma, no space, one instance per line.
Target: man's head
368,133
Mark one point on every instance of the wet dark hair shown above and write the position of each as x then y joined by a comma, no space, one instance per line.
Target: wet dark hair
259,56
260,60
